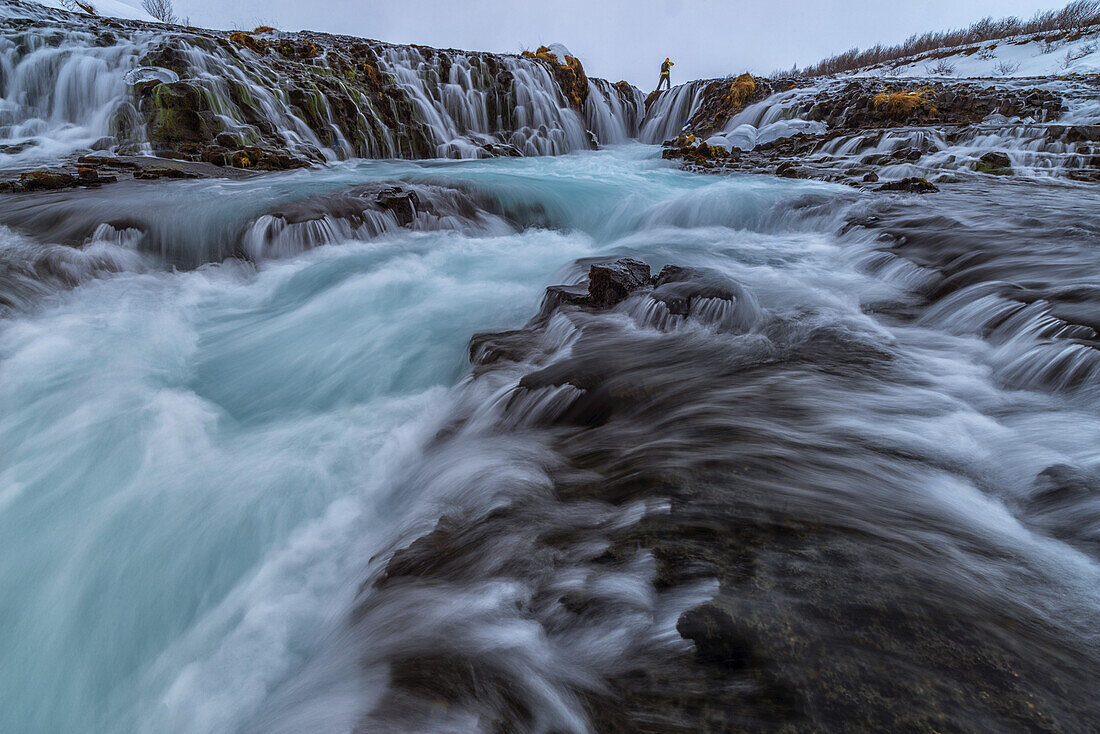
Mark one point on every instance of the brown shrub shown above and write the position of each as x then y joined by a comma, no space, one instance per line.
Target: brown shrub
264,29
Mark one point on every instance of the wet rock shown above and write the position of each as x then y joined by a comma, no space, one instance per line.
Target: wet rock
912,185
612,283
179,112
722,99
910,155
687,149
870,177
12,148
403,204
163,172
297,49
262,159
46,181
786,169
862,104
718,639
607,285
651,98
994,164
105,143
1062,503
1082,134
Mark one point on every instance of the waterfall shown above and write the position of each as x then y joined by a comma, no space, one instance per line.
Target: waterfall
70,84
60,88
669,113
613,111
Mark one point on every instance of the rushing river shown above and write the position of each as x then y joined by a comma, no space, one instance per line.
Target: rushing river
212,436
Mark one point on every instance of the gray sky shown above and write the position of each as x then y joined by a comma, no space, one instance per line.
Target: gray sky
624,39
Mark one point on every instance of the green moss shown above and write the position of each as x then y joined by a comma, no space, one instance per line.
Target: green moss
992,170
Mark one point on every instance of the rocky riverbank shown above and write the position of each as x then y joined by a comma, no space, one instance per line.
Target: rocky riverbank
863,131
801,585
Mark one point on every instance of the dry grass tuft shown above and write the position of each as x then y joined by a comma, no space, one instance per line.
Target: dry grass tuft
741,89
243,39
900,105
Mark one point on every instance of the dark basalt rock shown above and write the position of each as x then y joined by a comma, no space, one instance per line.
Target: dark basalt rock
723,98
1082,134
718,639
911,185
786,169
403,204
1062,503
607,285
612,283
676,287
687,149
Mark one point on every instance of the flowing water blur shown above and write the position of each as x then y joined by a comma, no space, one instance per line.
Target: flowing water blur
199,464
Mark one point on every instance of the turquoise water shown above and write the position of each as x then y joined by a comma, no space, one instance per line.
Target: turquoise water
196,466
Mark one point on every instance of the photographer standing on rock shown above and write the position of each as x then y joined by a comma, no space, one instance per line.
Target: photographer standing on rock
664,75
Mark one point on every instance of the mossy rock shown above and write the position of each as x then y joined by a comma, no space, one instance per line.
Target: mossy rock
569,73
179,112
994,164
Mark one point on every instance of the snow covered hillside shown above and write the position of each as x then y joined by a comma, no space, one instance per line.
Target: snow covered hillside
1043,54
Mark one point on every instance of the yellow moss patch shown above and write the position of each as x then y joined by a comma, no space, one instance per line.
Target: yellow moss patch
370,71
899,105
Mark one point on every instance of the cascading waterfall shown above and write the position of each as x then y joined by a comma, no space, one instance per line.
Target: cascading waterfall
66,89
669,113
614,111
60,90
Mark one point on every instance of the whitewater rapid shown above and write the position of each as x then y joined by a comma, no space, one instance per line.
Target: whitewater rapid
207,449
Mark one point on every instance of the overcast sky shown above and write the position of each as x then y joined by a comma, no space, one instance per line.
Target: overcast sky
623,39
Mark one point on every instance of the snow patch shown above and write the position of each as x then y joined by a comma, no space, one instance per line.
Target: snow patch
560,51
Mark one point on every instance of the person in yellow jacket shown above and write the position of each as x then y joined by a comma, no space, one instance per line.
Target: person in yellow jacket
664,75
